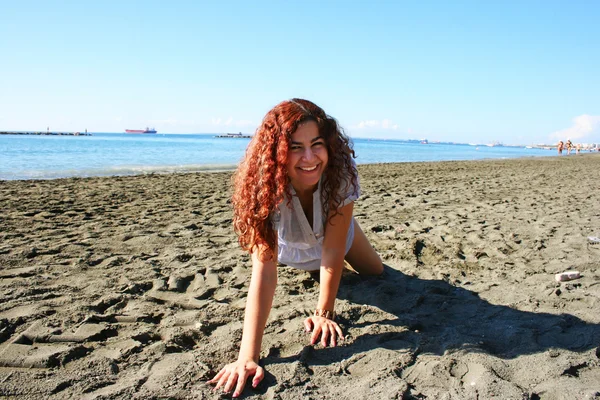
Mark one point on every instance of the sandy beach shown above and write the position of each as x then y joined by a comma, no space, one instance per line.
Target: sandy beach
134,287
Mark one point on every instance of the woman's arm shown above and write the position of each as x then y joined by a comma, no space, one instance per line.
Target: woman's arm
332,260
258,306
332,264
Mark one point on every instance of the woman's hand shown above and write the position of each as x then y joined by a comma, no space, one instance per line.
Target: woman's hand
235,375
328,329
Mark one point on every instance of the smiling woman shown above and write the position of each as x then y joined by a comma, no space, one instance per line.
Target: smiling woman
307,159
293,199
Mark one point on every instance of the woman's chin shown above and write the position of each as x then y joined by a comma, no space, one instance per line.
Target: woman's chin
305,183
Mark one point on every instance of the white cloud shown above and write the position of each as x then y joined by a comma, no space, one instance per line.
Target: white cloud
375,123
387,124
583,126
368,124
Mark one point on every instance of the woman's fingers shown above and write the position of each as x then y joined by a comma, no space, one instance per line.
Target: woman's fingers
222,380
333,337
325,335
258,376
314,338
324,331
231,382
217,376
339,332
241,382
308,325
233,376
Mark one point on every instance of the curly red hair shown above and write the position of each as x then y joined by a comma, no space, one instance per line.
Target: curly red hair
261,181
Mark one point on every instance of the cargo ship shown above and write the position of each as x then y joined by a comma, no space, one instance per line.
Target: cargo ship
147,130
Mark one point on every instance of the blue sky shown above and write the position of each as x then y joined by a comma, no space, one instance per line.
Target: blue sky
509,71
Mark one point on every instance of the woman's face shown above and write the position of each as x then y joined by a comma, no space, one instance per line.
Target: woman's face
307,157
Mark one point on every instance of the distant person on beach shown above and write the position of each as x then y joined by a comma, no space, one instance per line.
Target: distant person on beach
560,147
578,148
569,146
293,202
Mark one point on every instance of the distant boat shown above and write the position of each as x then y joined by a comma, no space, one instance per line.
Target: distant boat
424,141
147,130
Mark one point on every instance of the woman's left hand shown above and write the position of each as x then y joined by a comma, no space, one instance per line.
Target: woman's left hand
328,329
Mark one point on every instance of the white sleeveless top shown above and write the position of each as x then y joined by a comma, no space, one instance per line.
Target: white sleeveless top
299,245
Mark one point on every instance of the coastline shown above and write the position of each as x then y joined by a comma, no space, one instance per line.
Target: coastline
135,285
149,170
122,172
43,157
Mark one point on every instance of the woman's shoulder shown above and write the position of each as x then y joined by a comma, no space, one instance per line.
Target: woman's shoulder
349,189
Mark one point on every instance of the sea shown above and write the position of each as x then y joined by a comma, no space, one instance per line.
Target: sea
111,154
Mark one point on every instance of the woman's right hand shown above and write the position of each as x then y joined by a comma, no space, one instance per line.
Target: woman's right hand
236,374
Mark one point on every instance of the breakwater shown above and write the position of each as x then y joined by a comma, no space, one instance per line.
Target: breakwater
47,133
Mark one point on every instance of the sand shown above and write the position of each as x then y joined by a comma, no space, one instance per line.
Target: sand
134,287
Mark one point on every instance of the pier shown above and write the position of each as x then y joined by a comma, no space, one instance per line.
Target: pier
47,133
234,135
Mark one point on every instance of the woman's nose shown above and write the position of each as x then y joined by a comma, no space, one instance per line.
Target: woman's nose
308,154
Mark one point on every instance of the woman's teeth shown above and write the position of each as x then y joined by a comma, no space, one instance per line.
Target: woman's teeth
308,168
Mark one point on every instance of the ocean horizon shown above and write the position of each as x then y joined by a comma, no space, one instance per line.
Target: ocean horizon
117,154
